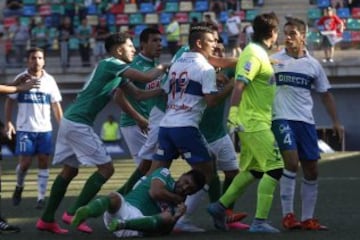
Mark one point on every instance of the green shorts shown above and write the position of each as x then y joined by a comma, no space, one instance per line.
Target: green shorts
259,151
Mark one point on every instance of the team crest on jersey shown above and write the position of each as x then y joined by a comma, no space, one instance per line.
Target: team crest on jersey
247,66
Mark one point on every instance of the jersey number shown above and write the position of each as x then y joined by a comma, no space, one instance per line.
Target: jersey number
178,81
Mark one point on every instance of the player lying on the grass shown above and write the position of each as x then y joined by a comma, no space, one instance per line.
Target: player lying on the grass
152,207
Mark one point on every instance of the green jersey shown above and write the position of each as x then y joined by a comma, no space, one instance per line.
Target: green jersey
254,68
97,92
140,198
143,107
213,125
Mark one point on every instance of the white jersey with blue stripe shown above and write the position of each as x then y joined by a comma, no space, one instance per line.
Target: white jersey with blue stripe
34,106
190,77
295,78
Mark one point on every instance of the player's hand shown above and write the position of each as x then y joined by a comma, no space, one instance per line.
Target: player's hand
180,210
10,130
28,84
143,125
338,131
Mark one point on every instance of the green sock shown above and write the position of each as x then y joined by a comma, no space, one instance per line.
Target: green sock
90,189
57,193
145,224
236,188
265,195
130,182
226,184
98,206
214,188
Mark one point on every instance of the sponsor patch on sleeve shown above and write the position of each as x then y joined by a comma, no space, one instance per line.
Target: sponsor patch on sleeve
247,66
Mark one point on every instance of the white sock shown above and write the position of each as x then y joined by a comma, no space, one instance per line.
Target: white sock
20,176
193,202
309,192
43,177
287,191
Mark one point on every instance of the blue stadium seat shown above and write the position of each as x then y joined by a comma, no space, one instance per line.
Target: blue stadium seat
139,28
92,9
343,12
165,18
251,14
136,18
147,8
29,10
197,15
323,3
48,21
314,13
223,16
346,36
110,19
201,6
171,7
353,24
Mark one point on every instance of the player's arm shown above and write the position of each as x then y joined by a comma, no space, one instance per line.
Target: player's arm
58,112
145,77
223,62
235,101
159,192
122,101
9,127
329,103
214,98
139,94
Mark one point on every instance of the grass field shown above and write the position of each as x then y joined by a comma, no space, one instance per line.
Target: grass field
337,204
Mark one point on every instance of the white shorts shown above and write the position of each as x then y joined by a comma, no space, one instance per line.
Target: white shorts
224,151
126,211
78,144
148,149
134,139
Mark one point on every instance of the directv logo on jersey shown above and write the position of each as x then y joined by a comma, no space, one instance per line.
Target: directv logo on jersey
293,79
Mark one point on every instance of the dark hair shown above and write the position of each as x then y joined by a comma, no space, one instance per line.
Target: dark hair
296,22
198,177
197,31
34,49
263,25
116,39
145,34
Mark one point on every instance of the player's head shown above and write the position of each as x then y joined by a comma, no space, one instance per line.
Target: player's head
220,48
150,42
202,39
120,45
295,34
35,59
190,182
329,11
266,27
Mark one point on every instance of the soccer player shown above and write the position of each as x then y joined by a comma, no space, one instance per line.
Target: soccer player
33,124
77,143
191,86
135,132
20,84
152,207
251,105
293,123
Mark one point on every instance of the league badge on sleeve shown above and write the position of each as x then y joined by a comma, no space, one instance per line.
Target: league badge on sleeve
247,66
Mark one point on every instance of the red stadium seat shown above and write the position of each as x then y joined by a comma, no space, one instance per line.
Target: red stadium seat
182,17
122,19
355,36
44,10
355,12
7,22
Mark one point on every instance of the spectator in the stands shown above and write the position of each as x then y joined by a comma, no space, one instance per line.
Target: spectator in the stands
39,35
173,35
83,33
337,3
13,8
66,31
19,35
216,6
101,31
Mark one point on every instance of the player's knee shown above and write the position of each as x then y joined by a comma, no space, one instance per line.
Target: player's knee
115,202
276,173
256,174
